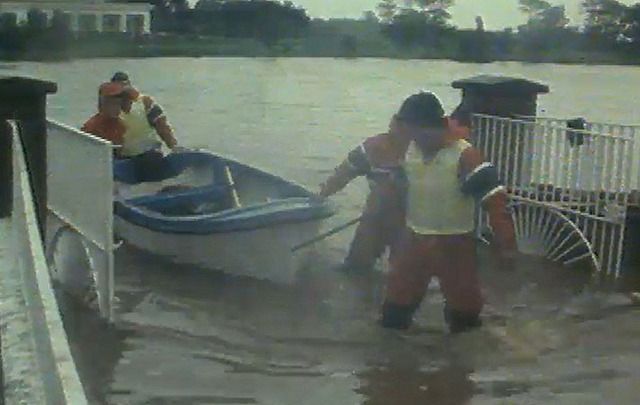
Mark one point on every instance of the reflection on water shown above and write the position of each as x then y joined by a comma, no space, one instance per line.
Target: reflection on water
406,382
96,346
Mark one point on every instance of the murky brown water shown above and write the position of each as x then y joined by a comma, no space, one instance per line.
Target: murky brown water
187,337
184,336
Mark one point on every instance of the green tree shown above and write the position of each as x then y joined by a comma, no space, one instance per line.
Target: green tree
370,16
542,15
546,31
349,45
532,8
604,21
36,20
387,9
436,11
631,30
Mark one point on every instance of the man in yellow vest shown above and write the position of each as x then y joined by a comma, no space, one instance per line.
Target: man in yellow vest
446,178
146,125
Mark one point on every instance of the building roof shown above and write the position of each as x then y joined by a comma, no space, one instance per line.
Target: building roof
97,5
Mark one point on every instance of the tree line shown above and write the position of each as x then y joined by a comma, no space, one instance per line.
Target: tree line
396,28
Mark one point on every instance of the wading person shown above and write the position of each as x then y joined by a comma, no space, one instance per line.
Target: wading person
446,177
379,158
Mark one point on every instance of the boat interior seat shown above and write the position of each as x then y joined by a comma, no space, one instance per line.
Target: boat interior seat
126,170
185,201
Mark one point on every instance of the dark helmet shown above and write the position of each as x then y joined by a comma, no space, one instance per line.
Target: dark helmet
422,109
120,77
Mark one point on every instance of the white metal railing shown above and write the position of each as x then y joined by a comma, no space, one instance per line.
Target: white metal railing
80,207
582,174
36,359
629,131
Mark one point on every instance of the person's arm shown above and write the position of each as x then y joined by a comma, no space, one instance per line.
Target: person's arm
480,179
158,120
93,127
89,126
356,164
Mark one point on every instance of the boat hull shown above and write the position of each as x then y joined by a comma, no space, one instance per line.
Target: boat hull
263,253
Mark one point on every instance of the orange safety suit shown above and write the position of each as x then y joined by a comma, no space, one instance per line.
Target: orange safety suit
379,158
105,127
451,257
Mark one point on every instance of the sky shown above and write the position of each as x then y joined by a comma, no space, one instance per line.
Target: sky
497,14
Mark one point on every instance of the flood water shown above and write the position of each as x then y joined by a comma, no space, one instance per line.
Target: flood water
186,336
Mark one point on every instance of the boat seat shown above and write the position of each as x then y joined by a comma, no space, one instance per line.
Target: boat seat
125,171
184,199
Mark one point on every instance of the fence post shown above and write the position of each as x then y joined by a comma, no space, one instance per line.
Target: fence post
25,100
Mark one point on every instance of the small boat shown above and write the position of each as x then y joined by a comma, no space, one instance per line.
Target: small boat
215,212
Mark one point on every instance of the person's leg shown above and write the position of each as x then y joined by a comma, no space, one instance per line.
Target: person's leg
150,166
459,282
372,236
407,281
367,246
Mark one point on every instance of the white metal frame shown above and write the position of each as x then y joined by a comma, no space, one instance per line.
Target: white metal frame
80,205
584,185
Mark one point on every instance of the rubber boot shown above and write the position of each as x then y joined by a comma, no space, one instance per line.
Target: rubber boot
460,322
397,316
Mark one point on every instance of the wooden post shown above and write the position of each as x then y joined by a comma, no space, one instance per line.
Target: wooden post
25,100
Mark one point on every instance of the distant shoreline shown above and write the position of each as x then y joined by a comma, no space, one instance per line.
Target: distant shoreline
201,47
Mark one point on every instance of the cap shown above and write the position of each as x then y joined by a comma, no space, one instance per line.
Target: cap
111,89
120,77
422,109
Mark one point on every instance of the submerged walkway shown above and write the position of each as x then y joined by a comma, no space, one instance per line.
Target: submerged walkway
37,366
19,385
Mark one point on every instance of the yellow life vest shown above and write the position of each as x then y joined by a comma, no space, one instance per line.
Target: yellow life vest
139,136
435,203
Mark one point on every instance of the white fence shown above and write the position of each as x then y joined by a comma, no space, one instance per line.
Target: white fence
555,175
36,359
80,221
616,130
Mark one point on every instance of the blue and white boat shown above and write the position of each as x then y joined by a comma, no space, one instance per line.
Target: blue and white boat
215,212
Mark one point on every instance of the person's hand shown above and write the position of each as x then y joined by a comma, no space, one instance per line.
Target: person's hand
323,191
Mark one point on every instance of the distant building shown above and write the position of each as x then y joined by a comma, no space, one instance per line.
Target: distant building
84,15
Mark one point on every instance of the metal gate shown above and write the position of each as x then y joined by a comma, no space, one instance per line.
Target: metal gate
569,187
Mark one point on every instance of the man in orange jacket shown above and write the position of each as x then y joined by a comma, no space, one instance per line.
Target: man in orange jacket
447,177
133,123
106,123
379,158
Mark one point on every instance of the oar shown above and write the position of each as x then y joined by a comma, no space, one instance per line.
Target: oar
326,234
